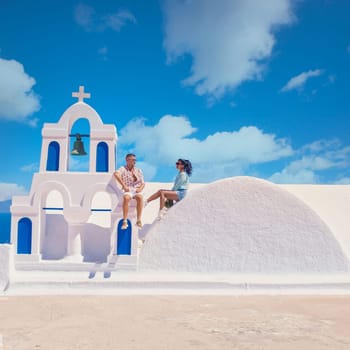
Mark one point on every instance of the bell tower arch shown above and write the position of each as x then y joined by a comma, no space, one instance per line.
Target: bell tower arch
102,138
102,157
53,157
79,146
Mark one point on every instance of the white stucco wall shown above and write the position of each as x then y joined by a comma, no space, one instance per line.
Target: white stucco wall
241,224
6,265
292,222
332,204
244,225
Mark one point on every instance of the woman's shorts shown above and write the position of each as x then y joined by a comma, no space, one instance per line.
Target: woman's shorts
181,194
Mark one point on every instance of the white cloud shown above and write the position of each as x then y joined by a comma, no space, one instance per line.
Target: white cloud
17,98
246,151
84,16
302,176
118,20
220,154
149,170
103,50
320,145
30,168
232,104
7,190
343,181
229,41
300,80
303,170
332,78
89,20
313,160
78,163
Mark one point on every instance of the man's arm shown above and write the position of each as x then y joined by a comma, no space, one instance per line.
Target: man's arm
140,188
119,179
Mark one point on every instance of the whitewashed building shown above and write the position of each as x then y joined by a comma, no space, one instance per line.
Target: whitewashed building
73,215
256,232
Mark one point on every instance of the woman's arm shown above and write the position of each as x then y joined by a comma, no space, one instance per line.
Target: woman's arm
181,181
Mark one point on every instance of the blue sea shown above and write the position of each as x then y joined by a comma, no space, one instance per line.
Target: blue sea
5,227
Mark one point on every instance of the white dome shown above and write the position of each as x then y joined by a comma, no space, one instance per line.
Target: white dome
244,225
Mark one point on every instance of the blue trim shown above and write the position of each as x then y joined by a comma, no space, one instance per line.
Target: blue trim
102,158
53,156
124,239
101,209
52,208
24,236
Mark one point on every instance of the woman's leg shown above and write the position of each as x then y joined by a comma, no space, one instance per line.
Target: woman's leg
154,196
166,194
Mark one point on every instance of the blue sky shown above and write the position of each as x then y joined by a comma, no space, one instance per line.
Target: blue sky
239,87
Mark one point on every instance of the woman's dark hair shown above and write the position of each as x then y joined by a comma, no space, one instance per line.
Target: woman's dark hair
187,166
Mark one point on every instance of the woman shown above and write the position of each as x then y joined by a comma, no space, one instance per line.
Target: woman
179,189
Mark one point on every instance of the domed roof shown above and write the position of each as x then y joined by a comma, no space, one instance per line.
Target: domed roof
243,225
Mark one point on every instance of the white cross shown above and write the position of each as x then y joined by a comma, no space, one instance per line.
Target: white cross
81,94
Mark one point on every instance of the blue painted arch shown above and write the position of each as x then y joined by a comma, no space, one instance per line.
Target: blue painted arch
124,239
53,156
102,158
24,236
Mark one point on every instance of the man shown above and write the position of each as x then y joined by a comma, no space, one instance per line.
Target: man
131,180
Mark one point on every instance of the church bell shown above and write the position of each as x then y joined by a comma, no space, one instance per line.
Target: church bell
78,147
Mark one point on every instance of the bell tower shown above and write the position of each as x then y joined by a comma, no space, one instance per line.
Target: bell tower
70,214
102,139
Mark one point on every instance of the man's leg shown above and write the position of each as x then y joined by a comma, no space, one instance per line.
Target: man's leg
126,200
139,205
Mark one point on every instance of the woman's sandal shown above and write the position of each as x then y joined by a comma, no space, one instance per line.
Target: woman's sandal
139,223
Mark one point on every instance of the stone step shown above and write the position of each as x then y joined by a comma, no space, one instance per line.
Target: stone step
102,280
74,266
106,287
